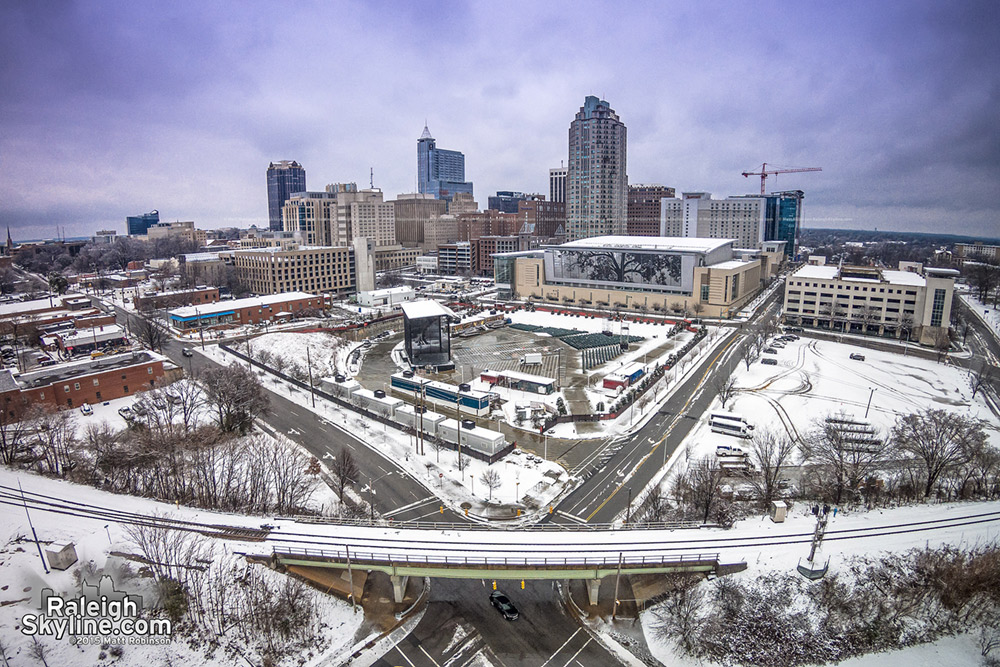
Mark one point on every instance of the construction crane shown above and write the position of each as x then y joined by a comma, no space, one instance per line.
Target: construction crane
765,172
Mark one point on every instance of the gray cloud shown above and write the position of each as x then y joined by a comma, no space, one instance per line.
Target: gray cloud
114,109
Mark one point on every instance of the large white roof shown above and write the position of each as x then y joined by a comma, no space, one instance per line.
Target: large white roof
672,243
415,310
832,272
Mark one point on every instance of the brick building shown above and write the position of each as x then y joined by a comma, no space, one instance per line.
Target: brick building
90,381
252,310
176,298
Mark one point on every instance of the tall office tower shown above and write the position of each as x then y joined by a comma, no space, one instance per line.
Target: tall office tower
363,214
312,217
138,224
440,172
596,182
557,184
412,213
506,201
782,218
284,179
644,209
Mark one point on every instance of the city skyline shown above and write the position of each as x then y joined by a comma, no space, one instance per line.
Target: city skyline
102,121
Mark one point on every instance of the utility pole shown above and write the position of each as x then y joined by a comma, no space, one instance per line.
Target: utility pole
614,610
32,526
312,391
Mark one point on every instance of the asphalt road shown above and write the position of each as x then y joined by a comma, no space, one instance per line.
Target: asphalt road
461,626
396,494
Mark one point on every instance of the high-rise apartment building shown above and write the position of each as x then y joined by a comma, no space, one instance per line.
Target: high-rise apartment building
748,219
284,179
644,209
340,215
138,224
557,184
440,172
596,182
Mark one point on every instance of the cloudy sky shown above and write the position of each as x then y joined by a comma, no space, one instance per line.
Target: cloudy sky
111,109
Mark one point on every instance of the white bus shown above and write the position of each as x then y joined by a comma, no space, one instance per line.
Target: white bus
730,424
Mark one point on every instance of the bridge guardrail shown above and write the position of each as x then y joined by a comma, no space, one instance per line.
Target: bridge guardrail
496,524
375,558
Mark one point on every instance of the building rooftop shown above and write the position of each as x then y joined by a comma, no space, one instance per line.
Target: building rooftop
390,290
75,369
833,272
666,243
223,306
731,264
415,310
518,375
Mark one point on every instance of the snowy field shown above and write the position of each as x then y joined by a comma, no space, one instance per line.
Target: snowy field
815,379
327,353
23,577
962,650
522,480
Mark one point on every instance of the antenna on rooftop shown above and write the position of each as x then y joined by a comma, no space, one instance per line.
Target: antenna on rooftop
371,177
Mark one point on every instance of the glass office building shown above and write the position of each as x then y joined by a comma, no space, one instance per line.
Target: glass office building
284,179
138,224
783,215
440,172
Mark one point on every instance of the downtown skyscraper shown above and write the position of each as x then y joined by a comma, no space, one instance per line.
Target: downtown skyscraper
597,182
284,179
440,172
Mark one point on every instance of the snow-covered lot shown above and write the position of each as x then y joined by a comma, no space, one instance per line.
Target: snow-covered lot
815,379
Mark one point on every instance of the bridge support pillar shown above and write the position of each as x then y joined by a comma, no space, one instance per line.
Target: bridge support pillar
398,587
593,585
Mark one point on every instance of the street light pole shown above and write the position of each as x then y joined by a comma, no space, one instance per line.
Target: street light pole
869,401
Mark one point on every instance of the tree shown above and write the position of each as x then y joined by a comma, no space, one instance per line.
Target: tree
769,453
58,283
747,353
491,478
942,344
345,471
704,478
679,616
981,378
14,429
726,388
939,440
846,454
697,307
237,396
150,334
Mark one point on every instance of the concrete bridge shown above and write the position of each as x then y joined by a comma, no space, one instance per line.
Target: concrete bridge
487,554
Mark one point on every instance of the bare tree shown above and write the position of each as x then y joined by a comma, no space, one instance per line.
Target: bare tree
769,453
190,402
345,471
14,429
981,378
491,478
704,478
845,453
679,616
439,444
150,334
747,353
236,395
942,344
939,440
726,387
697,308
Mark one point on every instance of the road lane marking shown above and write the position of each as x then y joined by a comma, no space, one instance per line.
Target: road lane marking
578,630
411,506
589,639
677,418
571,517
419,646
400,651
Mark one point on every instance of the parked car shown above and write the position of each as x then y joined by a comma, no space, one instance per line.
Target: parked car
504,605
726,450
125,412
86,409
769,361
770,350
858,357
187,352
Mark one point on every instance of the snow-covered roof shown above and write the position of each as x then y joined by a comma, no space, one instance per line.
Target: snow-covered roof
84,336
415,310
389,290
731,264
223,306
671,243
17,307
201,257
833,272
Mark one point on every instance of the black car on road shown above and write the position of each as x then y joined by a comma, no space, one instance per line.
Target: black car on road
504,605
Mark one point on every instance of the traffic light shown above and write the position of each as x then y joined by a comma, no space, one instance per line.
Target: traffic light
494,584
441,509
522,584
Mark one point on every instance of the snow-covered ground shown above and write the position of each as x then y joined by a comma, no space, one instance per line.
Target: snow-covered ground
521,480
327,353
647,352
815,379
962,650
23,577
